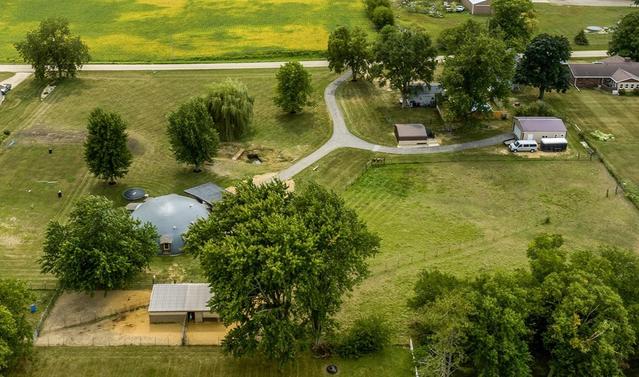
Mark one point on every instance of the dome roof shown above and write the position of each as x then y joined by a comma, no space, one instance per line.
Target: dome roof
171,215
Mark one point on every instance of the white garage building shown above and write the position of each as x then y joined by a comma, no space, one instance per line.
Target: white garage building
177,302
537,128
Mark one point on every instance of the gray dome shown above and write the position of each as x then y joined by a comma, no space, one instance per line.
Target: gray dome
171,215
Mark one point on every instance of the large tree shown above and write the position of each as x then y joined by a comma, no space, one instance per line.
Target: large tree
451,39
294,87
52,48
192,134
514,21
348,49
403,56
279,263
625,39
542,65
15,330
231,108
99,247
105,150
480,72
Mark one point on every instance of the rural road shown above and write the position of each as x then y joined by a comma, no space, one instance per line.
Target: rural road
341,137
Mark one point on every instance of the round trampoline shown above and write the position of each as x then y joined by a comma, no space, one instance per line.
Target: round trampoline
134,193
172,215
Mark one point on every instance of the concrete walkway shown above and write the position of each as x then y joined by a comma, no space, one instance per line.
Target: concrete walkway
16,79
343,138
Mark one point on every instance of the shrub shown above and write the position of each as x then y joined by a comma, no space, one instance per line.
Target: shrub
382,16
372,4
6,132
622,92
537,108
581,39
367,335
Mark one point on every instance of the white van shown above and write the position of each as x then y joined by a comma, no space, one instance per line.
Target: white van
523,146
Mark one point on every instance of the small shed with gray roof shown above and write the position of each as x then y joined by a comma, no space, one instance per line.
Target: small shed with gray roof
411,134
177,302
208,193
537,128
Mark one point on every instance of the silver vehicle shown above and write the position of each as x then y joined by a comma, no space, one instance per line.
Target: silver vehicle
459,8
5,88
523,146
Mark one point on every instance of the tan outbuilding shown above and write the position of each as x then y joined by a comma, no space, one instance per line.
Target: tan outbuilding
178,302
478,6
537,128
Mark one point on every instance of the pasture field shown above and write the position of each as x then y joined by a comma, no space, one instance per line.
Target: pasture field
186,30
198,362
30,177
594,110
370,113
552,19
467,213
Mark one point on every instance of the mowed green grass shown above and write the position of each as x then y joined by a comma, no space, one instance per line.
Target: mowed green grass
5,75
618,115
172,30
199,362
30,177
468,213
552,19
370,113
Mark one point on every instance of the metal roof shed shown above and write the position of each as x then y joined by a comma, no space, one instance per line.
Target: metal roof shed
173,302
208,193
537,128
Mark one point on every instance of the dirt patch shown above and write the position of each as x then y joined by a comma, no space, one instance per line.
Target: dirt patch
205,333
74,309
44,136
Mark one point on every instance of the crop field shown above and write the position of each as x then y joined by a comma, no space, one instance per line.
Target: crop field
184,30
30,177
198,362
468,213
552,19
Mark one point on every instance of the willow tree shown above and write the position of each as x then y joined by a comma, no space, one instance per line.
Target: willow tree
231,108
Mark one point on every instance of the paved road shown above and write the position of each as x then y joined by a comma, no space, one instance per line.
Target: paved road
343,138
594,3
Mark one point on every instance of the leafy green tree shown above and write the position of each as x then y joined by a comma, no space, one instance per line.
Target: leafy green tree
545,256
382,16
581,39
348,49
371,5
100,247
431,285
105,150
452,38
588,332
231,108
499,335
403,56
53,49
294,87
278,264
625,39
480,72
542,64
514,21
192,134
15,330
443,330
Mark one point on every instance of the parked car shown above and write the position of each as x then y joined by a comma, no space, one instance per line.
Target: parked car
523,146
5,88
459,8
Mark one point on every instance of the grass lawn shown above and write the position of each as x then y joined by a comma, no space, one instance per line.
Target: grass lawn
594,110
371,112
470,212
31,177
5,75
553,19
198,362
186,30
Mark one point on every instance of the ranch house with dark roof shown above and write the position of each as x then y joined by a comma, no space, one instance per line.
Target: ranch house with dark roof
613,73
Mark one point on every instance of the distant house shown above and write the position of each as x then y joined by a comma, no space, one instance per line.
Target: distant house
177,302
423,95
478,6
537,128
411,134
613,73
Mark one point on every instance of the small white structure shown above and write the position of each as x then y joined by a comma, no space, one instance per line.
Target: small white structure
478,6
177,302
537,128
423,95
